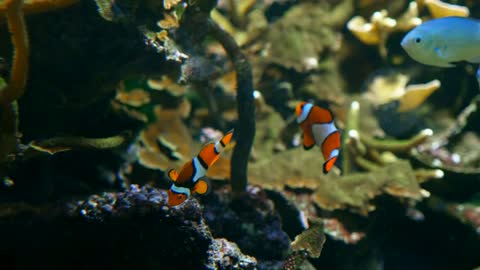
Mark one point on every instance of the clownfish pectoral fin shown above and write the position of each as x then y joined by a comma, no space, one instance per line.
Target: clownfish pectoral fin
308,140
173,174
202,186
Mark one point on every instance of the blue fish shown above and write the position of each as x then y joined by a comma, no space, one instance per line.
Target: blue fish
445,41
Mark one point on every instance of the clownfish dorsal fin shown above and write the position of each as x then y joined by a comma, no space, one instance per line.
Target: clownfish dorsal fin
173,174
308,139
202,186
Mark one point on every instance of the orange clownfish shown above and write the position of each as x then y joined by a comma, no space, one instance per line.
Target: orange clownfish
191,178
318,128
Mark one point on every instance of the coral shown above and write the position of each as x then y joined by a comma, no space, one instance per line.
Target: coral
226,255
166,84
165,138
371,154
19,36
393,87
434,152
135,98
168,4
60,144
9,135
40,6
337,230
381,26
440,9
311,240
305,32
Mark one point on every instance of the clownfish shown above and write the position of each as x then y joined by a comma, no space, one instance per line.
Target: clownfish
445,41
191,178
318,128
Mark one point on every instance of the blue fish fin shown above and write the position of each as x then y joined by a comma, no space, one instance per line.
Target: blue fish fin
439,52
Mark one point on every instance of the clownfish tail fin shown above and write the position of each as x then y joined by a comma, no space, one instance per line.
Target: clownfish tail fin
328,165
226,138
211,152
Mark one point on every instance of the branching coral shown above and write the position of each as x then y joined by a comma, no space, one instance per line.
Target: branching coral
307,244
18,31
371,154
381,26
60,144
14,11
388,88
18,76
433,152
40,6
440,9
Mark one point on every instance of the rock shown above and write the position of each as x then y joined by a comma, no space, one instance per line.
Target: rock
125,230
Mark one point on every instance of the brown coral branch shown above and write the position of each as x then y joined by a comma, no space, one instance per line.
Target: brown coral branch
60,144
18,31
39,6
245,130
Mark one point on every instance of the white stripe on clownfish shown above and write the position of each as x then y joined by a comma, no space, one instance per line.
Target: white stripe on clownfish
180,190
219,146
334,153
321,132
200,170
305,112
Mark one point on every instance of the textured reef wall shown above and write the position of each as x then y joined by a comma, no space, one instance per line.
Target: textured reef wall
101,99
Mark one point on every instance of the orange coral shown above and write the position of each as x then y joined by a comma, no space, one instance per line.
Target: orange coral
39,6
135,98
18,30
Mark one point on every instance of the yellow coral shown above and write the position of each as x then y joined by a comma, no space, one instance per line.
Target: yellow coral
440,9
168,4
39,6
381,26
416,94
385,89
366,32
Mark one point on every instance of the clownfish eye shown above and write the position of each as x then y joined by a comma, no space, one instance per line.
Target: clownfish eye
418,40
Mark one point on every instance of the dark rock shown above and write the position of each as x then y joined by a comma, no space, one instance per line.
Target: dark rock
250,221
127,230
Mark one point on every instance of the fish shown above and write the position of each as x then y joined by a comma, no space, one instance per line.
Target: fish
444,42
191,178
319,129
